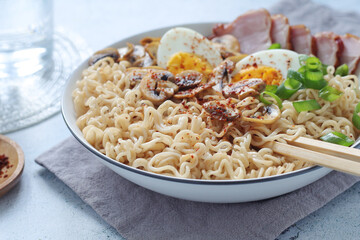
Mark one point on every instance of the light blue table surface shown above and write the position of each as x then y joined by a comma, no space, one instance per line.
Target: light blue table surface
42,207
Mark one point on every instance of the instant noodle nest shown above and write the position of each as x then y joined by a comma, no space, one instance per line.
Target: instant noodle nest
179,138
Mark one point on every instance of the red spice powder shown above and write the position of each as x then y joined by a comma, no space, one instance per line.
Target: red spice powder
4,163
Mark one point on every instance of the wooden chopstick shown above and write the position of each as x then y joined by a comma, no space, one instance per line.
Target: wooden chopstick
328,148
329,155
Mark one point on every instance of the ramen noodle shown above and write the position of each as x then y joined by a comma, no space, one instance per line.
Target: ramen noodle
178,137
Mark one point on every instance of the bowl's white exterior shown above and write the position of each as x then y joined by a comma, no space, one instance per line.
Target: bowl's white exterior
217,191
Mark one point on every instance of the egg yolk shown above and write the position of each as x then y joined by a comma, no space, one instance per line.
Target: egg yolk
269,75
182,61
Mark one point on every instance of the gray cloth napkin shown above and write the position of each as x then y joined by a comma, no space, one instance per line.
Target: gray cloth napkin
138,213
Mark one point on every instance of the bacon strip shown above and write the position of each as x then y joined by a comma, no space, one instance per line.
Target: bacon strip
301,40
329,48
280,30
351,52
252,29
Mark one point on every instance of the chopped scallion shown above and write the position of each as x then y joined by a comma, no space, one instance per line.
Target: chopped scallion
303,58
342,70
329,93
272,95
271,88
324,69
302,70
275,46
338,138
288,88
307,105
356,116
314,79
295,75
313,64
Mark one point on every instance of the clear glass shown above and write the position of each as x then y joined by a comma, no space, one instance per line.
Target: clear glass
35,62
26,44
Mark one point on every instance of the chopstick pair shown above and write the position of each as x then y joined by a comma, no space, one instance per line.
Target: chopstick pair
337,157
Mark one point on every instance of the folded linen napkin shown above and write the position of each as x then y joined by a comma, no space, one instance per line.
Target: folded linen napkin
138,213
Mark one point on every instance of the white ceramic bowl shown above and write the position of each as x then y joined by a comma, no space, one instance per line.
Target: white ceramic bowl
216,191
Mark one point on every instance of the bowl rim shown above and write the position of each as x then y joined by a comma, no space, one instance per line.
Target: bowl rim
160,176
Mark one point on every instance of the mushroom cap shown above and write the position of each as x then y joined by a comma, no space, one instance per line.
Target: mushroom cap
107,52
270,113
151,49
188,79
223,110
244,88
227,42
156,87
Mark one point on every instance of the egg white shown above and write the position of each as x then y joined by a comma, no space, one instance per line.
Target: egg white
280,59
186,40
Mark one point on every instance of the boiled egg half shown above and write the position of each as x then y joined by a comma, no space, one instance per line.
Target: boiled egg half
183,49
270,65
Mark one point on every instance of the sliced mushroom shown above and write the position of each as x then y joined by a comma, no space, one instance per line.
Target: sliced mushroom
145,61
139,51
189,93
221,74
155,86
236,58
244,88
136,55
151,49
188,79
268,115
161,75
126,51
107,52
223,110
228,54
135,75
167,88
228,45
228,41
148,40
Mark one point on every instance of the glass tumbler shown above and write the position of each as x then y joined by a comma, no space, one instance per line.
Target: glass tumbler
26,31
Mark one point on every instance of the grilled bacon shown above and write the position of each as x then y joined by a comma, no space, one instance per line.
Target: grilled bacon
252,29
329,48
280,30
301,40
351,53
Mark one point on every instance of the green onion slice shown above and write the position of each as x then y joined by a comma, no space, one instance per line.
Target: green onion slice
288,88
324,69
303,58
313,64
271,88
314,79
329,93
342,70
338,138
275,46
307,105
302,69
356,117
273,95
295,75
